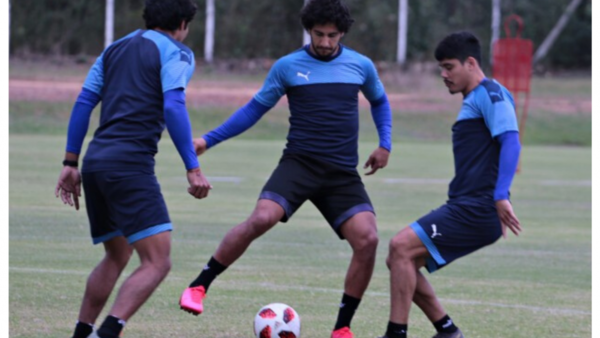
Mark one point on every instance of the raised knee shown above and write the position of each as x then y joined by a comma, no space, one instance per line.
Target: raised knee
398,248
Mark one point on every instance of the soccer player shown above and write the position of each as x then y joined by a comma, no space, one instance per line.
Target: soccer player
141,81
486,153
322,81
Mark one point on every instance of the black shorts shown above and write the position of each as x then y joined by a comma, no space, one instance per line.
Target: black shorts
337,192
456,230
125,203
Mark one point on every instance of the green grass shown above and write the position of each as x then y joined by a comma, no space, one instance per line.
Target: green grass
537,285
542,128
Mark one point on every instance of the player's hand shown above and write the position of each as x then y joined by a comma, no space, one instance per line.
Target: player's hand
199,186
69,186
508,217
199,145
377,160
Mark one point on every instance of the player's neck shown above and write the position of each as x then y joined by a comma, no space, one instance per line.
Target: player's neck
476,79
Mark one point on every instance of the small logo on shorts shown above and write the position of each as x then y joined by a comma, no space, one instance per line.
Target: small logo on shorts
435,233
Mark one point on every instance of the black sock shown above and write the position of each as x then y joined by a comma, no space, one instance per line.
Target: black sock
209,273
111,328
445,325
82,330
396,330
347,308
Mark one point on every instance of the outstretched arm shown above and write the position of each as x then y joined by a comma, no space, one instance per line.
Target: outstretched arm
382,116
510,149
239,122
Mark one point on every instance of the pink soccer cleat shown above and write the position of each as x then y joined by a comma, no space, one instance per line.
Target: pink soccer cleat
342,333
191,300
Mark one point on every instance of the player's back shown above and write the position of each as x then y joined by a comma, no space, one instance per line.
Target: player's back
129,77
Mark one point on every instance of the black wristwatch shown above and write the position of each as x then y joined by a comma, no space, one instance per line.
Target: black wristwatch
70,163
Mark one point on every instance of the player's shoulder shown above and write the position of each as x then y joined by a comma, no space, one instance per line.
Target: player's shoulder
166,45
359,57
289,59
492,90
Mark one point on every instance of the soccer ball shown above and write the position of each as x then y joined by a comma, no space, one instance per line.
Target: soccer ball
277,320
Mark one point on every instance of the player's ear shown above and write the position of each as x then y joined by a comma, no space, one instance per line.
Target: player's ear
471,63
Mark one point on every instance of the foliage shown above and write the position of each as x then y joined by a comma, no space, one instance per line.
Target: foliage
271,29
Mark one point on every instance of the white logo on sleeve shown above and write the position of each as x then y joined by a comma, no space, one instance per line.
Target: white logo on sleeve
435,233
303,75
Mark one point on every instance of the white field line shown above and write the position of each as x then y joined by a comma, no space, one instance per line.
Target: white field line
271,286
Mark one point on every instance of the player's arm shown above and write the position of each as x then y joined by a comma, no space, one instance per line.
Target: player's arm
510,149
382,116
499,114
68,186
267,97
180,129
239,122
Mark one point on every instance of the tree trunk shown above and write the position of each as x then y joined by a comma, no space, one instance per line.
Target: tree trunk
496,18
109,23
543,49
402,31
209,39
305,35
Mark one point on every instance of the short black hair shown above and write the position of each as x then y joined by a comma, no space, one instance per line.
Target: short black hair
322,12
459,45
168,14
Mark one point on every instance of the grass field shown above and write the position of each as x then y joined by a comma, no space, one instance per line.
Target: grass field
533,286
536,285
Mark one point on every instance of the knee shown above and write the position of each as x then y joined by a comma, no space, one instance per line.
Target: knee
259,222
367,244
161,266
398,248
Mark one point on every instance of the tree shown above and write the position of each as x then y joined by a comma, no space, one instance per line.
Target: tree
543,49
402,31
109,24
209,38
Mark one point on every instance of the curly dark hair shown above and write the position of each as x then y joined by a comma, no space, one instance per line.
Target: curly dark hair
168,14
322,12
460,46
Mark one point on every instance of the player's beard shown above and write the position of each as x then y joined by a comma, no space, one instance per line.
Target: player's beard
325,52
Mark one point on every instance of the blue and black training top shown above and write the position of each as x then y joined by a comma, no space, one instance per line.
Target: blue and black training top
323,102
131,76
487,112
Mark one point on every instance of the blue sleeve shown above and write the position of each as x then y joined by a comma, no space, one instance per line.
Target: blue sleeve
95,77
177,71
80,119
180,129
274,87
372,87
497,108
239,122
510,148
382,115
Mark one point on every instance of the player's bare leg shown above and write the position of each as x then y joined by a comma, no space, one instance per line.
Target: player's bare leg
265,215
102,281
404,249
426,299
155,263
361,233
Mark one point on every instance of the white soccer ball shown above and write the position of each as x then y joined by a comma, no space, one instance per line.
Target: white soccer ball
277,320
